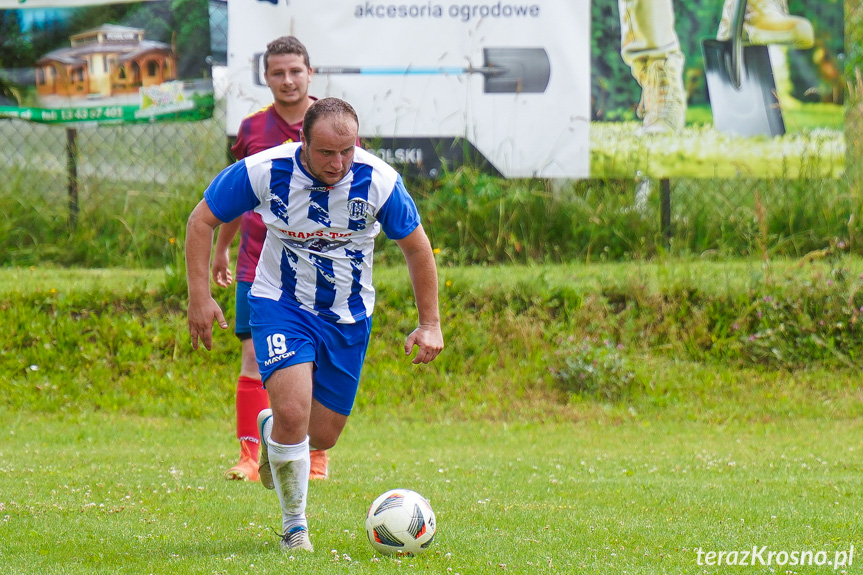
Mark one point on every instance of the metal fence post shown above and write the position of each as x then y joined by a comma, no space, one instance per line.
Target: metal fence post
665,211
72,173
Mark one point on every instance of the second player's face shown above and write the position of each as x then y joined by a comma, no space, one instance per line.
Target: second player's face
288,78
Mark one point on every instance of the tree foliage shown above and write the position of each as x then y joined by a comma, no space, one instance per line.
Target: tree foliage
192,25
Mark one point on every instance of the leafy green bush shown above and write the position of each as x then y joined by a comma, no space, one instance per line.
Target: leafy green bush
595,369
793,323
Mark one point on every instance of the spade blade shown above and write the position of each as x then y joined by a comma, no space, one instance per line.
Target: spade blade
515,70
748,107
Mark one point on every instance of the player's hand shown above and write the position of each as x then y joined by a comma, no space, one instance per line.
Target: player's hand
222,268
429,340
201,317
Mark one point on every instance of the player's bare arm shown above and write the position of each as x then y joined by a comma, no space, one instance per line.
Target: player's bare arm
203,309
427,337
221,266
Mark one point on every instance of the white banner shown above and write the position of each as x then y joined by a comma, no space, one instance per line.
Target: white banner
509,78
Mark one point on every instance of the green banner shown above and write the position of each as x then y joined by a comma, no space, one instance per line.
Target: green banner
105,62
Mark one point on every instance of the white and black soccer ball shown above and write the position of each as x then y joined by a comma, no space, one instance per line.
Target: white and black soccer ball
401,522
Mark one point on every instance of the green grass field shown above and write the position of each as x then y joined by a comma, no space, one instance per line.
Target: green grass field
107,494
112,447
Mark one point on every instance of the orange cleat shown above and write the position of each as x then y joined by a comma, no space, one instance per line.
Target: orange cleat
319,468
247,468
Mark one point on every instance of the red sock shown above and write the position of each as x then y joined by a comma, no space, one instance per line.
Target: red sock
252,398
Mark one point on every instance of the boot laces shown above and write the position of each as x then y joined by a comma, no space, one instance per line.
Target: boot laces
296,537
657,96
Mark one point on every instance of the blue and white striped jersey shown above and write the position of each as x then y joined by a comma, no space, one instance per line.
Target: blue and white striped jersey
320,239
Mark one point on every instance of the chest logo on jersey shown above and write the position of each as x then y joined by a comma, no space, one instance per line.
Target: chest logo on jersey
358,209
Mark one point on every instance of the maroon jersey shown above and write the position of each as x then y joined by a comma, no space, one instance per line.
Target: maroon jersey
258,131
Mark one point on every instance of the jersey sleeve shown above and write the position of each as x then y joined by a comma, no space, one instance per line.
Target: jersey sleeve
399,215
241,144
230,194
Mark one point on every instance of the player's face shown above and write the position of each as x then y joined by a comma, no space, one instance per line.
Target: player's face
329,153
288,78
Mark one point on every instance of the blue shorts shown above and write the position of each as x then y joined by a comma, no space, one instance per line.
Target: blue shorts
286,335
241,325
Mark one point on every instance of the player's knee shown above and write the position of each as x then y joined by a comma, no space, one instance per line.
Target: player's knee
325,440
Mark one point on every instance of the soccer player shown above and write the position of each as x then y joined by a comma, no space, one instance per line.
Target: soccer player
287,73
323,201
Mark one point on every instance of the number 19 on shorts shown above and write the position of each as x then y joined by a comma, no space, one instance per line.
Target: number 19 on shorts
277,348
276,344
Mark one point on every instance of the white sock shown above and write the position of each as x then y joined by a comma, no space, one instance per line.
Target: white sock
290,467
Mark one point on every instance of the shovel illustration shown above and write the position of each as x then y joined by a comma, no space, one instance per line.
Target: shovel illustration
505,70
740,84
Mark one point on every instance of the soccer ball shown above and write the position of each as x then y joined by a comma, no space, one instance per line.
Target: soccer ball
400,522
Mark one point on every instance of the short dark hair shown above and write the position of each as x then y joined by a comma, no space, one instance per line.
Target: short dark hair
286,45
327,107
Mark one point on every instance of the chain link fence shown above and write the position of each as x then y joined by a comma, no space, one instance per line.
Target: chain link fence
145,156
146,162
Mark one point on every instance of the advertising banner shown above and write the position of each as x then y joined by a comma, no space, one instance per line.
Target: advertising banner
506,81
569,88
105,62
717,88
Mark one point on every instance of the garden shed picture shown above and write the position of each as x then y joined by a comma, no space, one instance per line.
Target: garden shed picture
103,62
